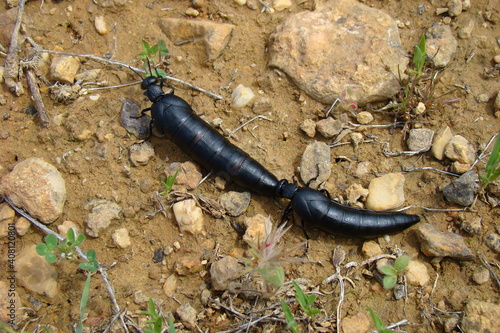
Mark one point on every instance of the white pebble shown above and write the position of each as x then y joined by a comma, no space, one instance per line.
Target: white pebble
242,96
100,25
189,216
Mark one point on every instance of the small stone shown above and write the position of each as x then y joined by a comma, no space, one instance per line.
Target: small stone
496,59
356,193
441,139
465,31
121,238
205,296
459,149
281,5
100,25
364,117
356,139
417,273
420,139
386,192
466,5
64,227
493,242
454,7
480,317
100,216
309,127
482,98
140,297
22,226
362,169
441,45
189,216
420,109
187,314
329,127
399,291
497,100
187,265
64,69
224,271
132,121
358,323
441,10
461,190
258,227
262,106
471,225
193,12
188,174
241,96
482,276
141,153
240,2
170,285
7,215
371,249
435,243
35,273
315,165
235,203
459,168
37,187
198,3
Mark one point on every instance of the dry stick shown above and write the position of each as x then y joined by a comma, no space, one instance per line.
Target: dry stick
35,93
12,60
99,59
492,272
80,252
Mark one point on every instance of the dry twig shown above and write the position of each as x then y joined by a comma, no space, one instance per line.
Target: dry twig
37,98
12,69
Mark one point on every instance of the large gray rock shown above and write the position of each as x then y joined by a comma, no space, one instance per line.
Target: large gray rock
341,46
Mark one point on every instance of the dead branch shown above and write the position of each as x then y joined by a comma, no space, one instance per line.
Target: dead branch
12,72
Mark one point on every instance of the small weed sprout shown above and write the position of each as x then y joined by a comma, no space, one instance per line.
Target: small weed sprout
492,170
169,183
147,56
155,324
65,248
391,272
379,324
267,257
305,301
291,324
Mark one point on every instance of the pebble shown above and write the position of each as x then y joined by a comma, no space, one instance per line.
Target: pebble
7,215
435,243
460,150
140,297
371,249
192,12
441,45
482,98
482,276
480,316
451,323
189,216
496,105
262,106
258,227
281,5
100,216
170,285
471,225
356,139
22,226
64,227
189,174
141,153
356,193
64,69
493,242
100,25
364,117
465,31
121,238
329,127
420,109
241,96
240,2
417,274
454,7
461,190
187,314
420,139
37,187
362,169
224,271
235,203
386,192
35,273
466,5
441,139
309,127
10,306
358,323
139,127
187,265
315,164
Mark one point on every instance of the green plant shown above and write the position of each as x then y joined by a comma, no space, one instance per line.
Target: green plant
155,324
291,324
492,170
419,55
93,264
305,301
268,255
65,248
147,56
83,303
379,325
169,183
391,271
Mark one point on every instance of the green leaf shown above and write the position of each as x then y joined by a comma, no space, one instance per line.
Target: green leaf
389,281
71,235
146,47
51,241
83,304
91,255
275,276
154,49
492,168
79,240
305,301
42,249
171,325
379,325
291,324
388,270
401,263
51,258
